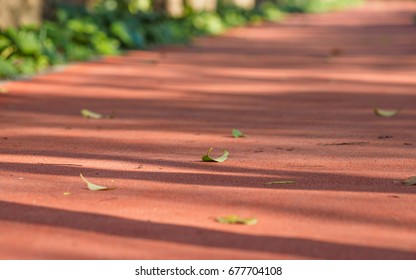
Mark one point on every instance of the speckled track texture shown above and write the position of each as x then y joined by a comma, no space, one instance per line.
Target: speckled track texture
292,88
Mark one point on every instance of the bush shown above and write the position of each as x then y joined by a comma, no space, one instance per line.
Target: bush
315,6
110,27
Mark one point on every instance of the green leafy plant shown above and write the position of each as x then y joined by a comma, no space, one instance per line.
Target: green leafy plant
108,27
315,6
7,69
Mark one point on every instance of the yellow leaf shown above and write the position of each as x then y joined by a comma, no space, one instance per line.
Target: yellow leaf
93,115
385,113
234,219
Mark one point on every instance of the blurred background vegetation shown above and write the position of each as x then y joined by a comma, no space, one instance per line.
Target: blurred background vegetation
38,34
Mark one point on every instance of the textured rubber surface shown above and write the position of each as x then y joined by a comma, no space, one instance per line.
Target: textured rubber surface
293,88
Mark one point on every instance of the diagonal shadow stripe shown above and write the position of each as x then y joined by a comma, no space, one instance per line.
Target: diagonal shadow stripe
110,225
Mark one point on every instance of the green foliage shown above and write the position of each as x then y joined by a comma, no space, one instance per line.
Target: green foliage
270,11
233,16
315,6
129,36
21,52
209,23
109,27
7,69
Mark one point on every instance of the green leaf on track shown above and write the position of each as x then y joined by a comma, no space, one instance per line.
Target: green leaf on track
385,113
3,90
237,133
92,115
280,182
408,182
67,193
233,219
208,158
94,187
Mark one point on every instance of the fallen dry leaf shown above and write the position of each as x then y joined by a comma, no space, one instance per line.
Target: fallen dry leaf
208,158
408,182
234,219
93,115
385,113
94,187
280,182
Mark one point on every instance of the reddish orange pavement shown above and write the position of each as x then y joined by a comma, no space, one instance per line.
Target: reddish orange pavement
275,82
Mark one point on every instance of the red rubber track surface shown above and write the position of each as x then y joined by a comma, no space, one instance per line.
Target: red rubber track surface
291,87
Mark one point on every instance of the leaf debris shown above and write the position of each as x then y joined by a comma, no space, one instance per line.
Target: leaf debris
208,158
234,219
280,182
237,133
93,115
385,113
408,182
94,187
